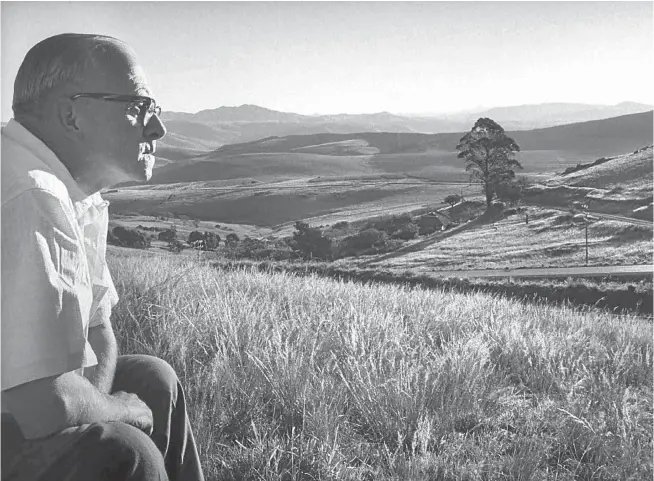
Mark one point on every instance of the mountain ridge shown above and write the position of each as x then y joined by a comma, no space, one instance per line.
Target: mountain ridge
247,122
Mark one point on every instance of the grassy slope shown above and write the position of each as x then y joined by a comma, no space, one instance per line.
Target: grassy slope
629,171
270,204
549,240
306,378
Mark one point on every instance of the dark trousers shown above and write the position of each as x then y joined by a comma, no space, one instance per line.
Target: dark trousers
114,451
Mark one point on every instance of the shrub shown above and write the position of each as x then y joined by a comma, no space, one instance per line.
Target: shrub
257,249
176,245
408,232
309,242
391,224
168,235
341,225
369,241
207,241
195,236
231,240
452,199
126,237
211,241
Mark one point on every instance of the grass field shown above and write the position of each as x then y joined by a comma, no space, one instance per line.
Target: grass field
271,204
550,239
305,378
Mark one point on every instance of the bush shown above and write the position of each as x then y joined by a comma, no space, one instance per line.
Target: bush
126,237
309,242
452,199
257,249
176,245
369,241
211,241
195,236
391,224
408,232
207,241
168,235
341,225
231,240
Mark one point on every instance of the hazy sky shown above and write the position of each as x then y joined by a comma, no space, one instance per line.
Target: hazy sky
355,57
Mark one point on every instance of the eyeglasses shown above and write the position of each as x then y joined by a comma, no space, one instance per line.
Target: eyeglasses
147,106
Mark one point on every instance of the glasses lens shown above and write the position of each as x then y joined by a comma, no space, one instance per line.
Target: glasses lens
150,109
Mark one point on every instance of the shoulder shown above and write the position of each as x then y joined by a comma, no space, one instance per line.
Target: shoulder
38,209
22,171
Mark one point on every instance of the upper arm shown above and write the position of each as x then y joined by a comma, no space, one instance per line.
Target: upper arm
45,291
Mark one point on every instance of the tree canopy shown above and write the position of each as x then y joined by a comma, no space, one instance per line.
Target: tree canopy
489,155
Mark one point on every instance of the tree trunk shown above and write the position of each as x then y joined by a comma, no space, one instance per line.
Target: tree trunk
489,195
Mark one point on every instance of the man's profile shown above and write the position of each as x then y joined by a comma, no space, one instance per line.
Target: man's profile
84,120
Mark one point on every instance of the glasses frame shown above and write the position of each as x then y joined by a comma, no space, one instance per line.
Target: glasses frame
150,105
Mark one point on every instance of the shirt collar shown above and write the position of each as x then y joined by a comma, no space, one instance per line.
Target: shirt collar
81,200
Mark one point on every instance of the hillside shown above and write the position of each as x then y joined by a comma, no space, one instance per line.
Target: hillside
628,171
228,125
430,155
290,377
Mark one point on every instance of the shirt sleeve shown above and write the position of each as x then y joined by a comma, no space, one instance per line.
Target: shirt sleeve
46,290
105,291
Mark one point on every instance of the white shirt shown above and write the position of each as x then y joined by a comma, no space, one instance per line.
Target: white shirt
55,280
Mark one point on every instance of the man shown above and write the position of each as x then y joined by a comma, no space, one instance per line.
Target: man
84,119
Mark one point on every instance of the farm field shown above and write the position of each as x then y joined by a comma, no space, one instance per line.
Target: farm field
274,204
307,378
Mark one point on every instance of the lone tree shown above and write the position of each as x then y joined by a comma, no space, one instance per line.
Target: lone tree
452,199
489,156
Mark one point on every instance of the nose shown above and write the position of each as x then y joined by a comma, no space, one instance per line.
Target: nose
155,129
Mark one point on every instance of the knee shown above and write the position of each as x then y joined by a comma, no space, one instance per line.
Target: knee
135,455
161,375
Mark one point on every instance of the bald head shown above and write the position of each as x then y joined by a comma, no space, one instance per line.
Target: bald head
68,59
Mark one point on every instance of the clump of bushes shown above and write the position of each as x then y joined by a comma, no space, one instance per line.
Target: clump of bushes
167,235
366,242
261,249
310,243
408,232
207,241
126,237
392,224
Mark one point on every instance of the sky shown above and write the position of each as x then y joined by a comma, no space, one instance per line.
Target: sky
360,57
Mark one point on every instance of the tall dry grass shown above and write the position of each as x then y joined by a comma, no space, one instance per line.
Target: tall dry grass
302,378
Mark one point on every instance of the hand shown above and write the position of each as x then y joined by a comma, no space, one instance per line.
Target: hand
140,415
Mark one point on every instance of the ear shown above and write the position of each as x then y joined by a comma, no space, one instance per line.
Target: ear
67,114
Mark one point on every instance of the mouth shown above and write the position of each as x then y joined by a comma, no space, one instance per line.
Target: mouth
146,155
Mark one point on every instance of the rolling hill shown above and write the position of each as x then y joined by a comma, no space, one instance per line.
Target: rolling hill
211,128
428,155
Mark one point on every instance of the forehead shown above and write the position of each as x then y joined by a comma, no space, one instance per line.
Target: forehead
120,73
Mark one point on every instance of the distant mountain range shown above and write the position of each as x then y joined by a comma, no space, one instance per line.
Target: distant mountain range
209,129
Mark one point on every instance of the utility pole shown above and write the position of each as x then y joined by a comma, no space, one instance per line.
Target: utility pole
585,207
586,223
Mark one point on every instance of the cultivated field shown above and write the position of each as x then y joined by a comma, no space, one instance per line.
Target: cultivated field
305,378
277,205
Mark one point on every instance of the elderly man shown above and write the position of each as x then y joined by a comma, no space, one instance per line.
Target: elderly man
84,119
